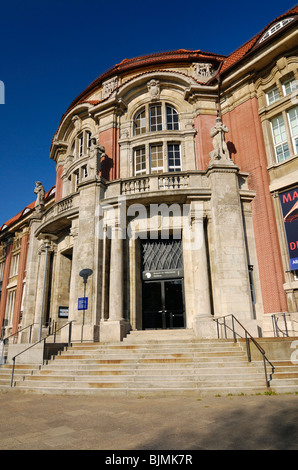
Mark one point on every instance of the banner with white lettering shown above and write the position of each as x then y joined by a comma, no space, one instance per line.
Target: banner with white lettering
289,206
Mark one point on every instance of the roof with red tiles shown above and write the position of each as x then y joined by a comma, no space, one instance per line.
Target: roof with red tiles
242,51
26,210
180,55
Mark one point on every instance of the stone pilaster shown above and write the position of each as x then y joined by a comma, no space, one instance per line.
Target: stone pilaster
229,263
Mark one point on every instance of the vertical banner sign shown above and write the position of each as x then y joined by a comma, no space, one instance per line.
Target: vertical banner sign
289,207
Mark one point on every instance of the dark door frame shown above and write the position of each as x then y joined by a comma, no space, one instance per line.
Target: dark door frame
165,316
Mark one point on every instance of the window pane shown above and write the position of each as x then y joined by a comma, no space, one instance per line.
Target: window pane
155,118
140,123
172,119
140,161
272,95
280,138
282,152
279,131
293,118
156,158
174,159
289,86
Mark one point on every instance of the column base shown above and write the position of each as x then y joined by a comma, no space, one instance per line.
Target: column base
205,327
113,330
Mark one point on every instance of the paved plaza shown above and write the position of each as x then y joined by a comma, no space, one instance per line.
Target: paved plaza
185,423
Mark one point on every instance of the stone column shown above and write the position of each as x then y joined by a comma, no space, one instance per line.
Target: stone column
116,327
228,254
197,255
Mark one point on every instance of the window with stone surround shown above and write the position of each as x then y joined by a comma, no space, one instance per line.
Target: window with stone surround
81,144
156,117
284,128
159,153
157,157
10,303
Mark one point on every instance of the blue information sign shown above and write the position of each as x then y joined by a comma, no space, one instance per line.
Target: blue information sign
82,303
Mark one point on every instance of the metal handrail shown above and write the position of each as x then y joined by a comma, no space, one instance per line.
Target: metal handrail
37,342
19,331
276,328
248,337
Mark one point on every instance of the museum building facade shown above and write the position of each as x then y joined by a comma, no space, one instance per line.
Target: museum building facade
176,194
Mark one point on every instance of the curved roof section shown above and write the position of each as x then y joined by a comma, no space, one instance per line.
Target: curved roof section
243,51
180,55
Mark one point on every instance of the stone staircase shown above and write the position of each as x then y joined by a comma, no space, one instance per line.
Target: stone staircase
152,362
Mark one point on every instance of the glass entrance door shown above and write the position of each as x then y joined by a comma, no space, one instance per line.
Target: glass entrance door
163,304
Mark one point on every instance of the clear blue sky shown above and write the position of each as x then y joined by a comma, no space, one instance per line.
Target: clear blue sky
52,50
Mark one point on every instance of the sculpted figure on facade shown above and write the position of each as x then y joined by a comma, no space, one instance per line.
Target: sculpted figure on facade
220,147
154,89
97,151
40,192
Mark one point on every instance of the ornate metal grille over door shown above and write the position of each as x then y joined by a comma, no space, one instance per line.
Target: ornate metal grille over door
162,255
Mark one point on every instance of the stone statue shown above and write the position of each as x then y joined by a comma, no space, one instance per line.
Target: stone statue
219,143
40,192
96,152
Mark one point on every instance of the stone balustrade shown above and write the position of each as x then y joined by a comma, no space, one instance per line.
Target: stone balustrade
157,182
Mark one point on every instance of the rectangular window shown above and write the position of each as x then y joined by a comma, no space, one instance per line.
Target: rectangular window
156,158
289,86
140,161
84,171
80,146
11,297
293,121
272,96
76,180
174,158
155,118
14,266
2,270
89,135
280,138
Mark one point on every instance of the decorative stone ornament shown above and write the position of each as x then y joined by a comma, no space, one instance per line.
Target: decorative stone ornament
154,89
220,147
202,71
109,86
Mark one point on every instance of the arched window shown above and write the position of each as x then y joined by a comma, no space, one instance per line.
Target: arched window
140,123
172,118
160,153
156,117
81,144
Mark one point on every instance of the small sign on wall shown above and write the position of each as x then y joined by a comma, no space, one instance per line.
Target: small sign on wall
63,312
82,303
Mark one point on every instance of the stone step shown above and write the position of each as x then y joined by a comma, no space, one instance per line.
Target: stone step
166,371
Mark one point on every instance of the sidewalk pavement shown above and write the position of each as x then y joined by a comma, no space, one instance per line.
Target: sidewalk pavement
76,422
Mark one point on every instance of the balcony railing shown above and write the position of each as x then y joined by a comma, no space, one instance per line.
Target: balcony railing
157,182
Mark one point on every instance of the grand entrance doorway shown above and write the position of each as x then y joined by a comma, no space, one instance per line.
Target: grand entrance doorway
163,304
162,289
